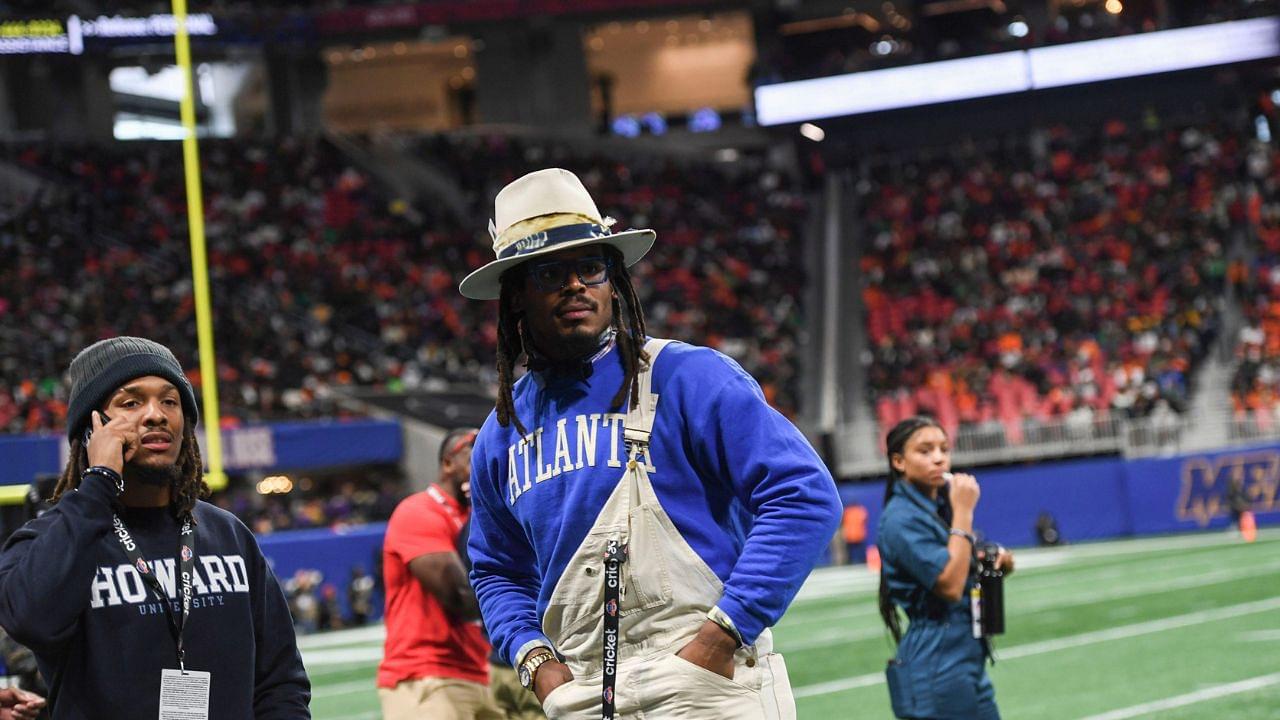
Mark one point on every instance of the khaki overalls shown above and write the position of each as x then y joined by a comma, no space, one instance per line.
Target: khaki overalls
666,593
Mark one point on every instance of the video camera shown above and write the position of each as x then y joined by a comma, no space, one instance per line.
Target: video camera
987,596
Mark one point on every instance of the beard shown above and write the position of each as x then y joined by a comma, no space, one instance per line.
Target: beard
579,344
456,490
153,475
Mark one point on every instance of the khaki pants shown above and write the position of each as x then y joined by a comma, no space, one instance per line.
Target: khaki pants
511,697
438,699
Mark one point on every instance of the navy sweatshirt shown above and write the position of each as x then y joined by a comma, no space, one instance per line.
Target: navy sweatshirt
100,636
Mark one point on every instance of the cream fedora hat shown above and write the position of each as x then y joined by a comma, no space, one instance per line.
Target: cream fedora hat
541,213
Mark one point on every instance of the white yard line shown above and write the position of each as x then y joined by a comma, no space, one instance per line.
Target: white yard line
1260,636
826,637
1143,628
334,638
345,688
338,656
837,581
1209,693
327,669
1070,641
831,638
1026,584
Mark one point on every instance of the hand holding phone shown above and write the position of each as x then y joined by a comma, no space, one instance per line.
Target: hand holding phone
108,442
88,431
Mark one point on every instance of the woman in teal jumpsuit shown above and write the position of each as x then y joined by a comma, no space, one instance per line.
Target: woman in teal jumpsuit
926,545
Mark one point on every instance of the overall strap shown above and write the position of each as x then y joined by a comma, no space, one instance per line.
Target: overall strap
639,422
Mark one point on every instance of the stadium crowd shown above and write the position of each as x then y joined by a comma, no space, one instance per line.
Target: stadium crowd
1073,277
1256,384
321,279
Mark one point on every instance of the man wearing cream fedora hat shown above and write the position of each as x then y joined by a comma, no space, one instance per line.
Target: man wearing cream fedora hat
641,516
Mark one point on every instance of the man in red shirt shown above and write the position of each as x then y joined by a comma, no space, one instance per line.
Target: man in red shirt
436,660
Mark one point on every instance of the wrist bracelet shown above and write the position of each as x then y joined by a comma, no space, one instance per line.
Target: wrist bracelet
106,472
973,541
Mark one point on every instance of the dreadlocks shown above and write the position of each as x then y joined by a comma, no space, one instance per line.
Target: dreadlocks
189,487
628,323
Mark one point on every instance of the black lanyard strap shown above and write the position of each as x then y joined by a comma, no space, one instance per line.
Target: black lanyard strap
614,556
186,570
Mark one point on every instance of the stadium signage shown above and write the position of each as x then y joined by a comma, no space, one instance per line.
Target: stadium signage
354,20
152,26
31,28
1021,71
251,447
1205,481
22,37
52,36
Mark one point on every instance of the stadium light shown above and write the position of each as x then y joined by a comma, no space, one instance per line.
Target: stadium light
626,126
704,120
1019,71
1151,53
274,485
813,132
655,122
876,90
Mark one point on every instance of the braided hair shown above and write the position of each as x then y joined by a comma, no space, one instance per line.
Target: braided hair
190,485
896,443
628,323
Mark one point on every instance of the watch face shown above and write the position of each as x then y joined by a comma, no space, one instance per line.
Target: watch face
526,677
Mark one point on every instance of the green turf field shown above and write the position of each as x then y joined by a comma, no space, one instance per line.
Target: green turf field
1173,628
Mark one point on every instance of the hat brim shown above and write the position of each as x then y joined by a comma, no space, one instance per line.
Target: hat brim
486,283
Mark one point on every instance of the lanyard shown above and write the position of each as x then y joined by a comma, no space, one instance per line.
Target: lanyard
186,569
615,554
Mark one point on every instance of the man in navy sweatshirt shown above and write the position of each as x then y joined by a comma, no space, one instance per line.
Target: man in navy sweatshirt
641,516
138,599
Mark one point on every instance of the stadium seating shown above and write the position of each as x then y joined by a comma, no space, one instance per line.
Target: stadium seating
1073,277
322,278
1255,387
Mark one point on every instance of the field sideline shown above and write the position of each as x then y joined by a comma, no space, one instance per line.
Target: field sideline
1175,628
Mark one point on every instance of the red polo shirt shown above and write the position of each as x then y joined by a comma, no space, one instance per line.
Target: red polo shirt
422,640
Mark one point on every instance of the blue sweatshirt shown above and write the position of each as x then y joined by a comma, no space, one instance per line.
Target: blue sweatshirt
100,636
741,484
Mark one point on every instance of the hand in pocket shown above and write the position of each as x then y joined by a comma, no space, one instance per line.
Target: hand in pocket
712,649
551,675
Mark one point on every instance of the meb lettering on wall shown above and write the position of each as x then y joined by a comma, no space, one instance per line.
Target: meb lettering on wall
1206,479
251,447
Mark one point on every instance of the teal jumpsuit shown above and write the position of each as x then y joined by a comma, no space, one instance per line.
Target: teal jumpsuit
939,671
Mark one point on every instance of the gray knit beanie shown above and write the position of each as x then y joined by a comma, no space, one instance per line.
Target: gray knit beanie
106,365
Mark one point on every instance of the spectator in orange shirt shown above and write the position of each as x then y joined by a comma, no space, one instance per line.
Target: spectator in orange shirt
854,528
